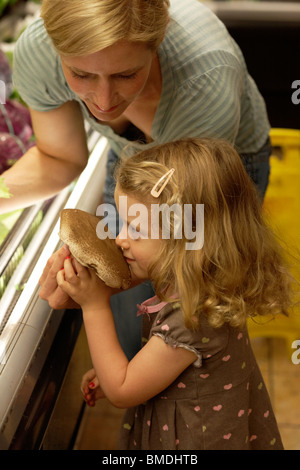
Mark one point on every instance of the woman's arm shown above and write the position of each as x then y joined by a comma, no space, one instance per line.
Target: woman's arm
124,383
58,158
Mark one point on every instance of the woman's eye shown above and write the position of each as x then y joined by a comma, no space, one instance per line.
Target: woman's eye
77,75
127,77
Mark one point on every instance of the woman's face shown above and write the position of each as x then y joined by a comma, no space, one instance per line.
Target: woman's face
108,81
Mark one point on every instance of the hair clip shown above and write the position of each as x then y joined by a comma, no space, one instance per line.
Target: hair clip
165,177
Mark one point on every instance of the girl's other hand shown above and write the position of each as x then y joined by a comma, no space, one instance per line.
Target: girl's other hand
90,388
82,284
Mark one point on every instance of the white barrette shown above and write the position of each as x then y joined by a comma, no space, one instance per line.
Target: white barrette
165,177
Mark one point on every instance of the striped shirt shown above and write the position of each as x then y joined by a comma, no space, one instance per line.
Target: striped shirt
206,89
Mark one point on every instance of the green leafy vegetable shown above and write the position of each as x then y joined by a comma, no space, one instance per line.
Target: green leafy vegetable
4,191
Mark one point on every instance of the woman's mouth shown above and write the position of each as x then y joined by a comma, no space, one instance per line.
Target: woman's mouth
106,111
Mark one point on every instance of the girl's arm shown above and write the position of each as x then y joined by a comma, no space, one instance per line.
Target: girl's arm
124,383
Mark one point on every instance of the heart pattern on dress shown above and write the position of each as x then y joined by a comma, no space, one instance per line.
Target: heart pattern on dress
217,407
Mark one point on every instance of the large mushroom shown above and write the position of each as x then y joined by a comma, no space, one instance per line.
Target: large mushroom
78,231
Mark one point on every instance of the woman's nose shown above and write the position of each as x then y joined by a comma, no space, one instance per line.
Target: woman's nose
104,95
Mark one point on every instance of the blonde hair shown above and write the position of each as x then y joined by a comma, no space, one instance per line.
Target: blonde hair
79,27
239,271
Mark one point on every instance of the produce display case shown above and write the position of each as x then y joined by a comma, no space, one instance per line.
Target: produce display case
30,329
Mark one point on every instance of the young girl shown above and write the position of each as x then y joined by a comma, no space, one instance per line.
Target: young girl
195,383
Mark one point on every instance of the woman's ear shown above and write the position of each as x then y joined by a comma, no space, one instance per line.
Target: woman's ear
163,36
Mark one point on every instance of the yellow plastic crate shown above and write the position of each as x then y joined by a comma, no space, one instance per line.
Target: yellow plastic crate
282,208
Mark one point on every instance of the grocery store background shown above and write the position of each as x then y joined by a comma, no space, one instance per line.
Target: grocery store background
44,353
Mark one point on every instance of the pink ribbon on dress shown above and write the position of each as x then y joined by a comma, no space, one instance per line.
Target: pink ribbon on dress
148,307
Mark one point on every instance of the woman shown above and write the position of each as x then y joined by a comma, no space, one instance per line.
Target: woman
138,71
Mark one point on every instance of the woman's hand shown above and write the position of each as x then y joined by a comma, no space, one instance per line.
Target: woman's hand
90,388
50,290
83,285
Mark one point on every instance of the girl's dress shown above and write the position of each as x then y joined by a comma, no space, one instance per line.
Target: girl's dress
219,402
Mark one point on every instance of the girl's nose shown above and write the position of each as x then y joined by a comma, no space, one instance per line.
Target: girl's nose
122,238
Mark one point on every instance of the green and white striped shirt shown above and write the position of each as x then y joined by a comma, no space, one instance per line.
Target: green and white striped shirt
207,91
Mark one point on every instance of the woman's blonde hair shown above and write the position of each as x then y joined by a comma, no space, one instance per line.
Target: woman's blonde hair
239,271
79,27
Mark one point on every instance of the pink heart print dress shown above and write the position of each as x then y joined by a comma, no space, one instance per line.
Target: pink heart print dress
219,402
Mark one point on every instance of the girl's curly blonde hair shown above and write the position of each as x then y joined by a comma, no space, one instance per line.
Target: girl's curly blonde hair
240,271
